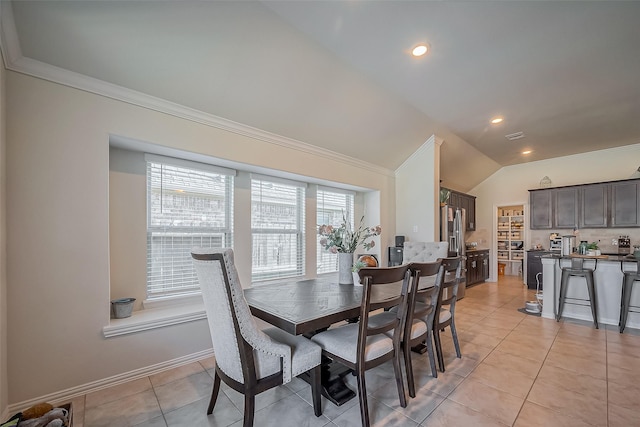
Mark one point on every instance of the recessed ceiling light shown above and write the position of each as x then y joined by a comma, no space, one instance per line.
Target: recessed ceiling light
420,50
497,120
527,152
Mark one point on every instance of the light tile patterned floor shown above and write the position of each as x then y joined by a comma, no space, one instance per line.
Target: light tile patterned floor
516,370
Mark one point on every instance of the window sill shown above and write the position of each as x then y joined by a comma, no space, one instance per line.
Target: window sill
144,320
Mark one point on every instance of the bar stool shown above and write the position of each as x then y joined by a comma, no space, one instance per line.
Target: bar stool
577,269
628,280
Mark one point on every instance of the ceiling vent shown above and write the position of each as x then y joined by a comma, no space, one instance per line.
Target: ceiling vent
514,136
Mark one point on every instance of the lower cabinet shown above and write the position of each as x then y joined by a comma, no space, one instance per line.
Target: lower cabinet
477,266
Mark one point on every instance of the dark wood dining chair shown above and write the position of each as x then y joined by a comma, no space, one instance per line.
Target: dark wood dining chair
418,324
248,360
446,306
365,345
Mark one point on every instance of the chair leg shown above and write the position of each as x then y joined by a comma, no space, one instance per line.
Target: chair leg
432,359
408,367
362,397
623,321
627,289
454,334
249,410
438,345
316,390
399,382
592,297
564,282
214,393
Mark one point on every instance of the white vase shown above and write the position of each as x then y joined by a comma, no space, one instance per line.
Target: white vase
356,279
345,264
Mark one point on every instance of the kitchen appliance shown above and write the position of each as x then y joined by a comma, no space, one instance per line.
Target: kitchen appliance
395,256
555,242
624,245
452,230
568,243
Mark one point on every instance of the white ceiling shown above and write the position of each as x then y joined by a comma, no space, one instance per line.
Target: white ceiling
338,74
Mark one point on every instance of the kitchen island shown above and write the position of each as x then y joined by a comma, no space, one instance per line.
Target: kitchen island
608,282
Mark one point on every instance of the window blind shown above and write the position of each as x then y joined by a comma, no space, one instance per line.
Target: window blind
332,205
277,228
188,205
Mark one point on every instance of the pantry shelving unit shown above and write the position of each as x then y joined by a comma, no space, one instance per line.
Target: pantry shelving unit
510,238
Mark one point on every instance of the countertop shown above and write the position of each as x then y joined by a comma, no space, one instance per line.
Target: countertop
477,250
616,258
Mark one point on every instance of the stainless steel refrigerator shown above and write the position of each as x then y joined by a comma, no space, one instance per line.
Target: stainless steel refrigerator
452,230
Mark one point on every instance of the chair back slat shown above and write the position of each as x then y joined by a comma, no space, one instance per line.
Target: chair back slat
372,277
428,295
449,290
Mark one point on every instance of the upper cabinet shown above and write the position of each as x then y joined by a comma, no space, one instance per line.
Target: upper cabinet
540,209
602,205
625,204
594,206
566,207
466,202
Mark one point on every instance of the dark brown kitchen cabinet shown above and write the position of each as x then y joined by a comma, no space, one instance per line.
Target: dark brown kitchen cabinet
477,266
466,202
625,204
600,205
594,206
566,207
540,209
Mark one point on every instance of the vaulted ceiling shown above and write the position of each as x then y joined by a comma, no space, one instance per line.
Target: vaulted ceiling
339,74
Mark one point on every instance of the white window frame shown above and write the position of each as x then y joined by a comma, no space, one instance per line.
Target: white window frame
326,261
183,281
264,264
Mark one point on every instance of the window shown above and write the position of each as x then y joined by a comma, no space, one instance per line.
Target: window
277,228
333,205
188,204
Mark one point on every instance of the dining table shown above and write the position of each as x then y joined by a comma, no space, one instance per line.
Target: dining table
306,307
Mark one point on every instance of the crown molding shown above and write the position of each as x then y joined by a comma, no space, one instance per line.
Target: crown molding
14,61
433,140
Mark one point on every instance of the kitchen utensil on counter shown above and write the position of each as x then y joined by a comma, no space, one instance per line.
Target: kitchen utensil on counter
568,242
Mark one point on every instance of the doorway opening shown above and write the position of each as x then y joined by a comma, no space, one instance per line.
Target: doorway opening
510,240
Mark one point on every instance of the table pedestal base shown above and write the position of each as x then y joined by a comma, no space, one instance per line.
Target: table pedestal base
334,387
419,348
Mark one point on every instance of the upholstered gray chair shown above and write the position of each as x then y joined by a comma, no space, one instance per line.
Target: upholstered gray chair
365,345
418,325
424,251
446,305
248,359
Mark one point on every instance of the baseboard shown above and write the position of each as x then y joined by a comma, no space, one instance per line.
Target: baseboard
70,393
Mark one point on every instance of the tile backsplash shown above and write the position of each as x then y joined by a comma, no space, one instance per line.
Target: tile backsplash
605,236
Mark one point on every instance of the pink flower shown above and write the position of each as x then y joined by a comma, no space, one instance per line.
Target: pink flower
333,249
323,241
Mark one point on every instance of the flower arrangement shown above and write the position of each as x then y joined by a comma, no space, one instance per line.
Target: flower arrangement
345,240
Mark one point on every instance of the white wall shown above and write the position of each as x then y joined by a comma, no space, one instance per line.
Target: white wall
58,229
417,192
510,184
3,254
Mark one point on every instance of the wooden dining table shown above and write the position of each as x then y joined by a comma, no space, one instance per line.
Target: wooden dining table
307,306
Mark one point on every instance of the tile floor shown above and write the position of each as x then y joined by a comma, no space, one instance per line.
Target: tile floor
516,370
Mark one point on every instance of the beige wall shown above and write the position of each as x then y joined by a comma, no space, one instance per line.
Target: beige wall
3,254
58,229
510,185
417,191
